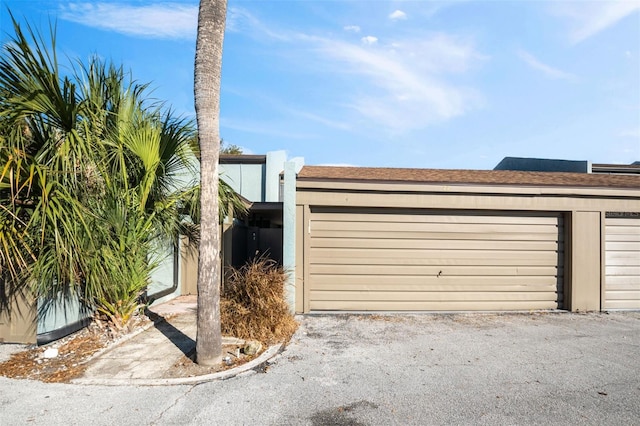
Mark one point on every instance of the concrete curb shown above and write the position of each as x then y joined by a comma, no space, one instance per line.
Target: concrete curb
271,352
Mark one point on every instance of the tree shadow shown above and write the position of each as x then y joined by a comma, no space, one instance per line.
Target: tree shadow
183,342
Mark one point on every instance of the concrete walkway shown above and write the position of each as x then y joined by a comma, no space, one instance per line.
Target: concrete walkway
145,357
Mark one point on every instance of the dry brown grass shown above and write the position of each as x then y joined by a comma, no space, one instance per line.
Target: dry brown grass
253,306
67,365
73,353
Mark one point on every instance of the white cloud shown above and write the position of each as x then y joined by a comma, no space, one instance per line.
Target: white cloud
397,15
431,8
547,70
246,151
286,108
630,133
588,18
405,87
352,28
241,20
369,40
399,86
163,20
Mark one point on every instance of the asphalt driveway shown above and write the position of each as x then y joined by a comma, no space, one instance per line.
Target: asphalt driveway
552,368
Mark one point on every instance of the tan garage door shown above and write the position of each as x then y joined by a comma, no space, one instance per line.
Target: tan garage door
425,260
622,263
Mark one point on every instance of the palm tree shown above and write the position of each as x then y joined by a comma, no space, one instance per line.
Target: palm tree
208,67
93,178
43,158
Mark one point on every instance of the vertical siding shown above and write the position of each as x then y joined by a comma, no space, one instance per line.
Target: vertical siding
622,263
586,255
380,259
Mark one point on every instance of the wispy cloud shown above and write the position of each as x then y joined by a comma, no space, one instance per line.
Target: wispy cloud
397,15
400,85
351,28
406,87
162,20
241,20
588,18
547,70
369,40
433,7
287,109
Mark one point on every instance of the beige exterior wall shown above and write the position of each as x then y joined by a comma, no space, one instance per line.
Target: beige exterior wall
188,267
583,208
585,261
19,324
189,259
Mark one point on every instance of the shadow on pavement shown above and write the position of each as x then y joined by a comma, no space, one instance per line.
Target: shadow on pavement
183,342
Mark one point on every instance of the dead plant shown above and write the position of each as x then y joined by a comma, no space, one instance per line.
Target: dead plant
253,305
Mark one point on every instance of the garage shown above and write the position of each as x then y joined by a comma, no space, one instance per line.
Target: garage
622,261
410,260
384,239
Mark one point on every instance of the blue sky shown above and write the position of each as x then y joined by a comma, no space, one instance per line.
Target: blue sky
435,84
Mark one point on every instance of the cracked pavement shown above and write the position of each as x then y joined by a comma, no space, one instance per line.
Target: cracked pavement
540,368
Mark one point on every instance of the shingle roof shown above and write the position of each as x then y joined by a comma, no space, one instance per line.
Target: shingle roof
479,177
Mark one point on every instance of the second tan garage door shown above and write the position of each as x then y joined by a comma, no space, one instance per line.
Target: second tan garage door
378,259
622,263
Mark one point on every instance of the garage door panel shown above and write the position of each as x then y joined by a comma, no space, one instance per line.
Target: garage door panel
618,262
471,305
627,256
451,217
433,286
396,243
413,282
616,280
618,222
394,270
447,236
437,261
623,246
447,296
624,287
623,304
460,228
632,238
632,294
622,229
628,271
430,257
622,263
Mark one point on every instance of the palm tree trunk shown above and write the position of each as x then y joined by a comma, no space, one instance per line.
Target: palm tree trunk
208,66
